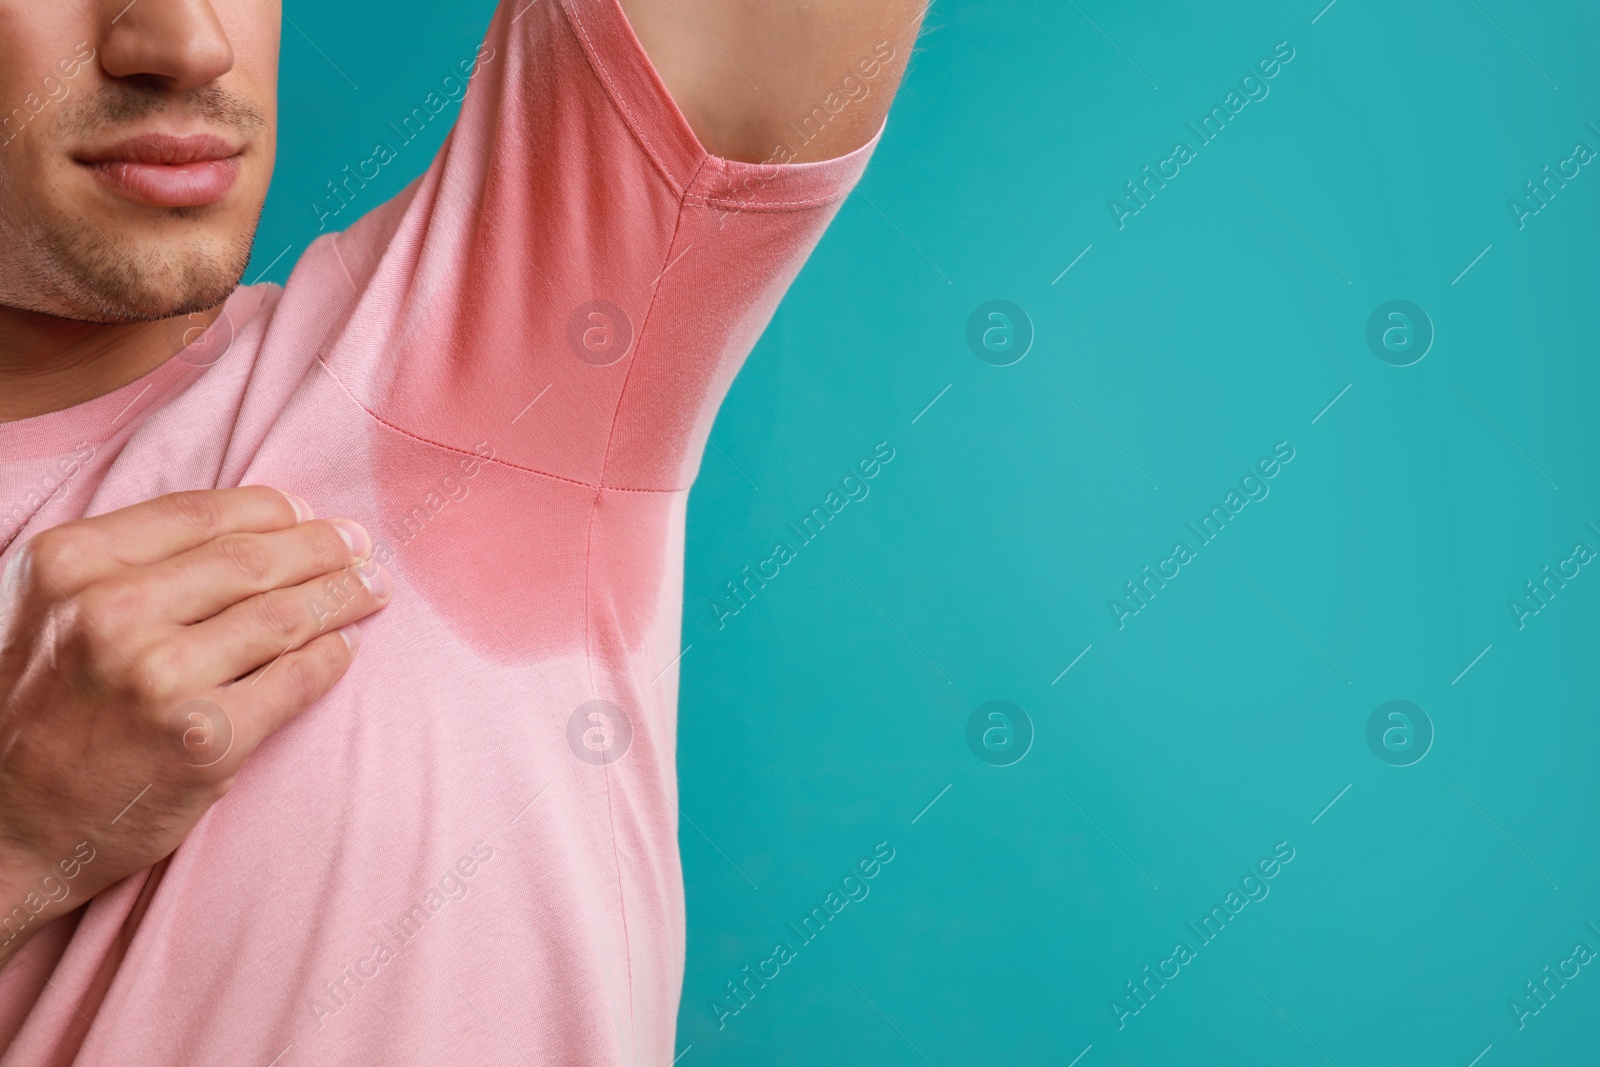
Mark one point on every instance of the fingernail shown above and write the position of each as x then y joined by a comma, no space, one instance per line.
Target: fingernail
355,537
302,510
351,635
376,579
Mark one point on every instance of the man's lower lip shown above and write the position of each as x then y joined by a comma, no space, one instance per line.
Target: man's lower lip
171,185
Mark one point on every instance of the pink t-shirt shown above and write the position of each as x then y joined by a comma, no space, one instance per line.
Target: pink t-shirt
467,851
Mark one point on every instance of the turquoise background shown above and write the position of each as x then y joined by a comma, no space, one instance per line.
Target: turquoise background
1227,715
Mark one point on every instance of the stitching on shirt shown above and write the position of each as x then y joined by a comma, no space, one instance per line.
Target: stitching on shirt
734,204
344,267
644,328
614,94
588,617
402,431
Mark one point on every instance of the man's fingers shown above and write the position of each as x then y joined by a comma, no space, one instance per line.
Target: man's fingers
254,632
76,553
197,584
268,698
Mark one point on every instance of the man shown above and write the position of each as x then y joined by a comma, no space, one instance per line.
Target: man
339,622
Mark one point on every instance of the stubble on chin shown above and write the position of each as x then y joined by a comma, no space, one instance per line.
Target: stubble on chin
80,273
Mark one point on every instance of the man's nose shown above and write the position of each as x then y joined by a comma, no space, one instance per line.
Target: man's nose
180,42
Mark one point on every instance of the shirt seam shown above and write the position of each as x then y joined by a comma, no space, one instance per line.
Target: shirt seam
614,94
574,482
588,563
735,204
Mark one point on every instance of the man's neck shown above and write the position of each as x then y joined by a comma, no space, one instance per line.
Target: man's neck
49,364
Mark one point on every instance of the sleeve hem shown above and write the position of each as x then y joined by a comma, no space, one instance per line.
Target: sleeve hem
731,185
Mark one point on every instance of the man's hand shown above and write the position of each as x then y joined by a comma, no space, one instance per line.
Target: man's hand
144,654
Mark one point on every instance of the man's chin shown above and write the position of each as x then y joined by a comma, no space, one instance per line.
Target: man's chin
97,282
119,310
119,307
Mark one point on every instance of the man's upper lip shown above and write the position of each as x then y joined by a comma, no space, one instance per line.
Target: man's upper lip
163,148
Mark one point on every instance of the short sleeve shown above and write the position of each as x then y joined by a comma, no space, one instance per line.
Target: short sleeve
574,278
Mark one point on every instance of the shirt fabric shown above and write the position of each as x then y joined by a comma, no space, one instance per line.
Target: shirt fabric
466,852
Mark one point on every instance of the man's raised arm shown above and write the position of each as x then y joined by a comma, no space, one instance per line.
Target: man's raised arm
780,81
